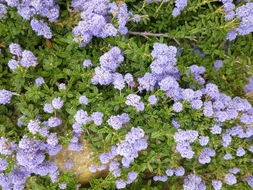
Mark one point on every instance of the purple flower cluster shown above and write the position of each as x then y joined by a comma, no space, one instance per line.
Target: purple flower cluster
63,186
216,129
54,122
177,107
244,14
83,100
217,64
236,131
105,74
117,121
230,179
28,9
224,108
33,126
41,28
94,23
130,147
121,13
205,155
203,140
135,141
249,86
3,165
81,117
6,147
56,103
163,71
75,144
240,152
197,71
183,139
129,79
3,10
234,170
24,58
180,171
5,96
152,99
147,82
217,184
180,5
97,117
94,168
131,177
39,81
111,59
229,9
160,178
186,136
249,180
15,49
97,21
134,100
30,155
87,63
193,182
227,156
62,86
175,123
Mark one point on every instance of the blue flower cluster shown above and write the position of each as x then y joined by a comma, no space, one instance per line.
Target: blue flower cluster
117,121
96,20
5,96
126,151
249,86
39,81
134,100
56,103
217,64
3,10
41,28
183,140
229,7
244,14
81,118
180,5
105,74
22,58
30,155
28,9
193,181
163,69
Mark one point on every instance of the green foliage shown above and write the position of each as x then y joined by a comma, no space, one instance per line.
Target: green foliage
60,61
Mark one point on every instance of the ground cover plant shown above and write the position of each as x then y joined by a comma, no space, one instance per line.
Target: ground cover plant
158,91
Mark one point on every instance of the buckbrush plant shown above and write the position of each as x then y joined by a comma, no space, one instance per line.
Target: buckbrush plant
160,91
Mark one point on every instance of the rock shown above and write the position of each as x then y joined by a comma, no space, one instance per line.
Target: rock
81,160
